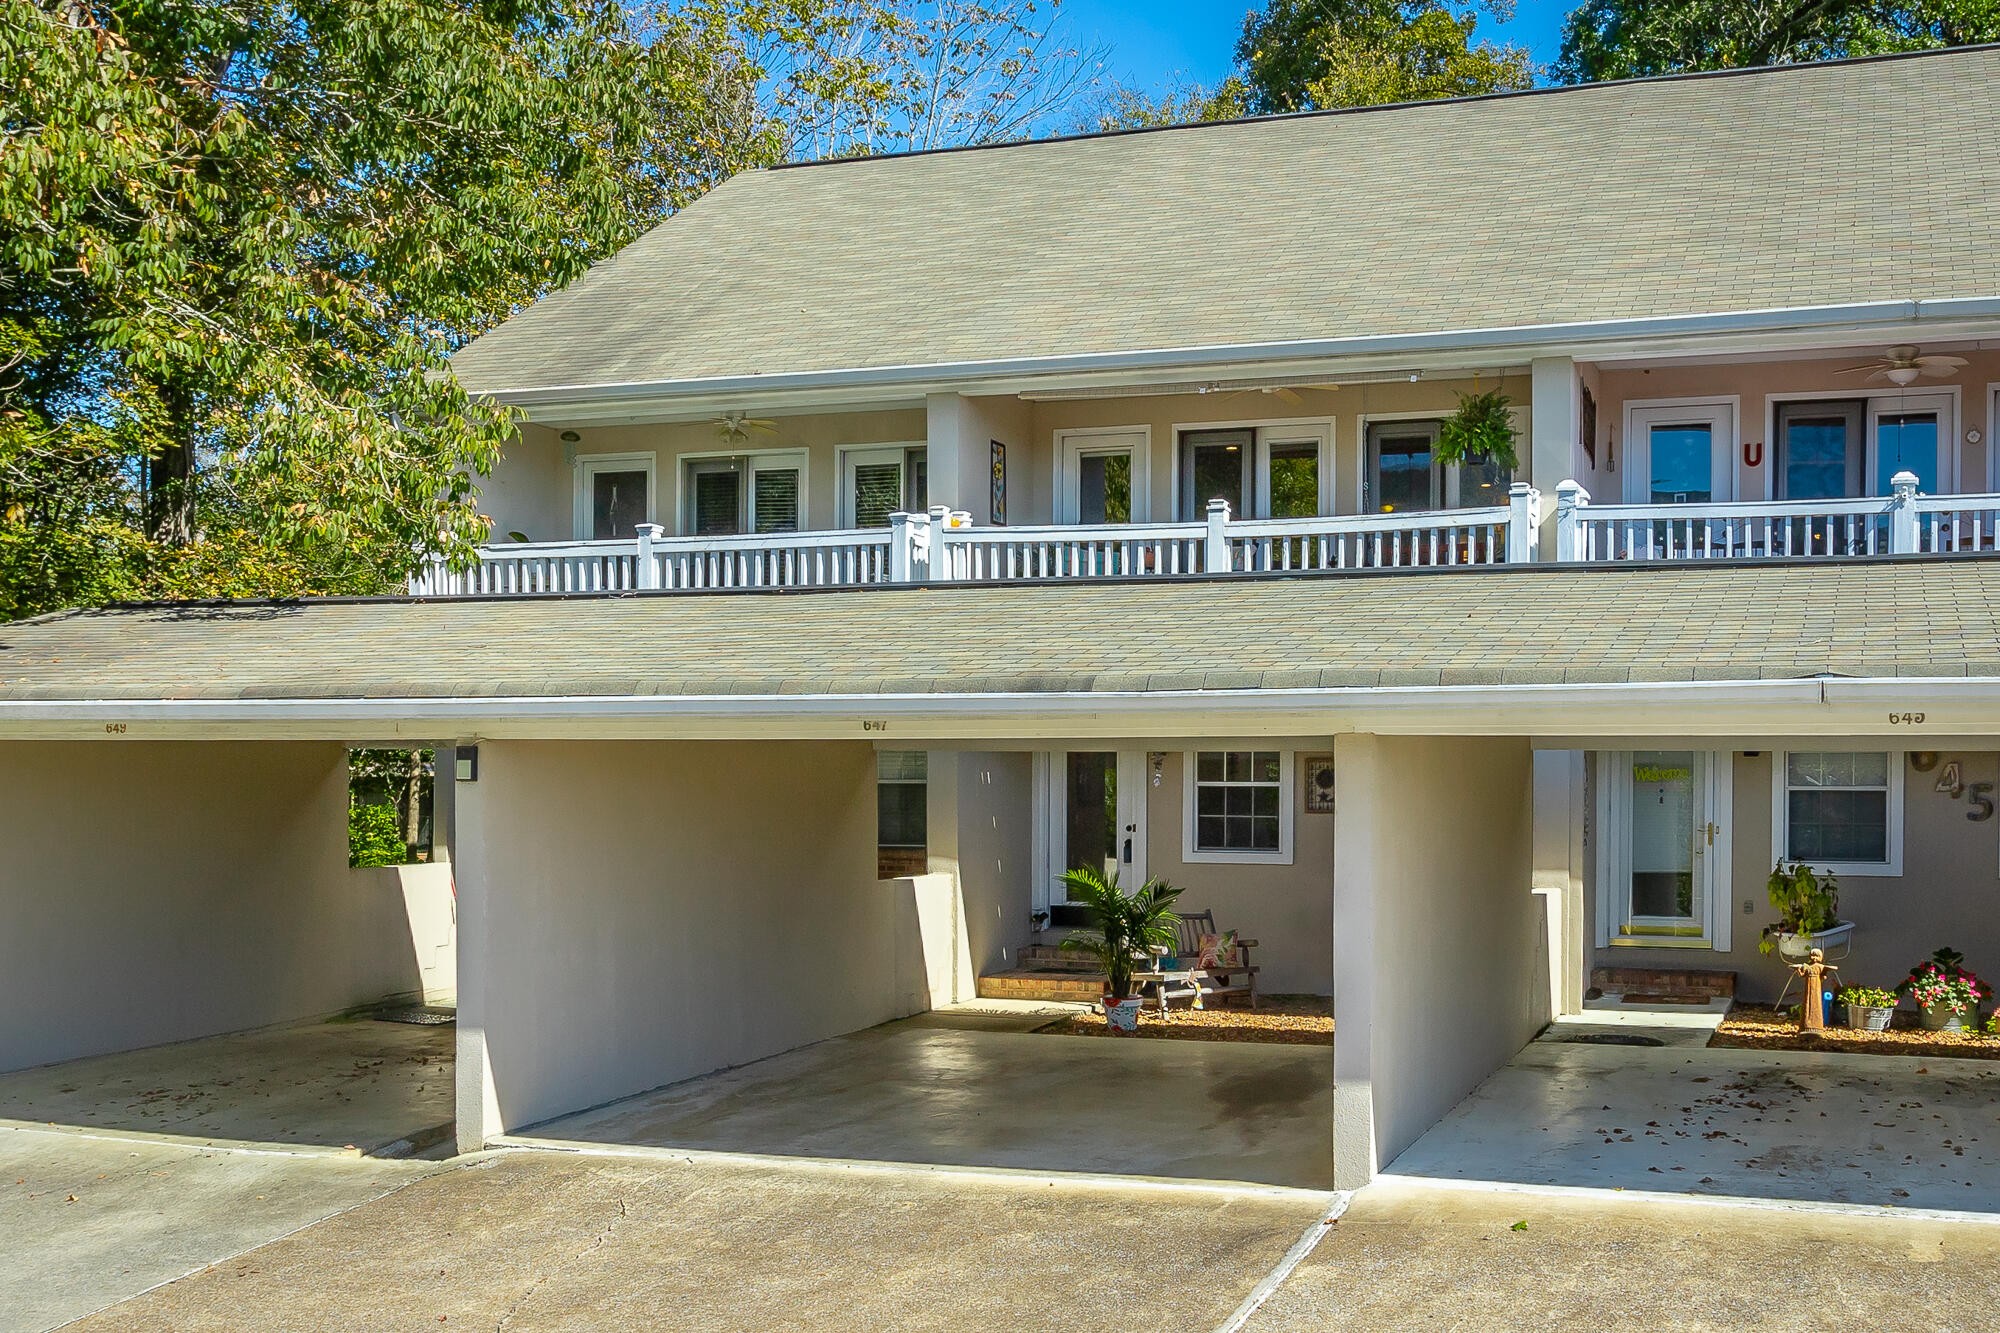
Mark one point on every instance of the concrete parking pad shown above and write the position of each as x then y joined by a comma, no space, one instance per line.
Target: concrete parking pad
538,1241
1794,1125
1410,1256
87,1221
920,1092
326,1087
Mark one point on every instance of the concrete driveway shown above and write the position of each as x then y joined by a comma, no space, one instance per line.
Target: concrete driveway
1808,1126
86,1221
945,1090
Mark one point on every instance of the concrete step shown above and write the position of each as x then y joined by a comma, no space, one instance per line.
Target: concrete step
1039,983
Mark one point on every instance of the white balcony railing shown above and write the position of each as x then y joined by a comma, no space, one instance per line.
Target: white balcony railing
1900,523
943,546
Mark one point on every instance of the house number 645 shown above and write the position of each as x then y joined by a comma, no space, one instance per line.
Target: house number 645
1982,805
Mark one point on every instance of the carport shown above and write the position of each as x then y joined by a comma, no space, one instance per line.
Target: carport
188,947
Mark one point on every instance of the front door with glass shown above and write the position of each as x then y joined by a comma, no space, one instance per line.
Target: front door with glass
1681,455
1667,865
1096,812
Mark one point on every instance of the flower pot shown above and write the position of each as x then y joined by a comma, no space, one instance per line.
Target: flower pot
1870,1017
1944,1018
1798,948
1122,1015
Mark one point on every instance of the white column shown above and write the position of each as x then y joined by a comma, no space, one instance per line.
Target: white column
1216,559
646,570
1357,817
946,432
476,1102
1552,431
1903,513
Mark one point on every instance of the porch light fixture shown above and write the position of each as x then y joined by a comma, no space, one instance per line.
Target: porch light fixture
465,763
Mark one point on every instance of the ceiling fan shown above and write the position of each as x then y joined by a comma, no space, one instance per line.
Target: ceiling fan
1904,364
1236,388
735,427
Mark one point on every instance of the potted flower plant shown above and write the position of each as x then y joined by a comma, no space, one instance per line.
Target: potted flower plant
1808,913
1869,1008
1946,993
1128,926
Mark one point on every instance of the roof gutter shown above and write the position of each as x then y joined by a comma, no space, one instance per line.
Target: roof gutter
1827,706
1550,339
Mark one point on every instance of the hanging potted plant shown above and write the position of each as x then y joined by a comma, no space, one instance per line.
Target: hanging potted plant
1481,430
1128,927
1808,913
1869,1008
1946,993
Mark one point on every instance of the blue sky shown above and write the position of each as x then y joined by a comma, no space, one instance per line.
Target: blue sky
1155,43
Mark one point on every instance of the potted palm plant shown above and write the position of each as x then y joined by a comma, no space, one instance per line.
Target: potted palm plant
1127,927
1808,913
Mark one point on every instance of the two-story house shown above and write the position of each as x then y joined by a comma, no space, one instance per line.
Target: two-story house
885,536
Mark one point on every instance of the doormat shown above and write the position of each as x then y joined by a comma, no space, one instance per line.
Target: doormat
1640,997
1613,1039
423,1015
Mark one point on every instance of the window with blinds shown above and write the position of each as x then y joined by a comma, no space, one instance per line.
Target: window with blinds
776,499
878,493
718,503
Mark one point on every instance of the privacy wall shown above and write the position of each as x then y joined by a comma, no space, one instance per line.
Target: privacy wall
156,891
634,913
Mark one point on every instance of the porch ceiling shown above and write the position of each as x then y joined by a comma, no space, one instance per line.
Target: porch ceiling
1565,625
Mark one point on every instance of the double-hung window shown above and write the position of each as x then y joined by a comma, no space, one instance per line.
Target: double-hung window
1238,806
1840,811
901,812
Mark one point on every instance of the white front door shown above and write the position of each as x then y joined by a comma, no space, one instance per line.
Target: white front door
1681,454
1094,814
1103,476
1666,865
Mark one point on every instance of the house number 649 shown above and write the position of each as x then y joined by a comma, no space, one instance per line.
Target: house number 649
1906,719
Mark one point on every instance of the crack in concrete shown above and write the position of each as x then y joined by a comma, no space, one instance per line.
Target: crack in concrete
596,1243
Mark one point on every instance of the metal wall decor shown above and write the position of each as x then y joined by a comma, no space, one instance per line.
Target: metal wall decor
997,506
1587,424
1319,784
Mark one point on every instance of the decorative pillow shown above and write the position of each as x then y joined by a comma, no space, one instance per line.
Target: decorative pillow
1218,950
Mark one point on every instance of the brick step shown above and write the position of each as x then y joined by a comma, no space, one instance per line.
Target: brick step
1037,983
1043,956
1663,981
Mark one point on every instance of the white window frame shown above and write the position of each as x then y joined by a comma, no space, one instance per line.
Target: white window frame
1944,402
850,456
1072,446
1614,857
585,471
1287,815
1446,478
1781,816
1726,451
1266,431
753,460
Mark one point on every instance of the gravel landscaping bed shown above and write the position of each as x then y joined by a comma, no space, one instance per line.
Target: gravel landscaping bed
1289,1020
1755,1027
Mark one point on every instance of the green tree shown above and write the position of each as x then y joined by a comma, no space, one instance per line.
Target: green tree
1124,107
1617,39
1301,55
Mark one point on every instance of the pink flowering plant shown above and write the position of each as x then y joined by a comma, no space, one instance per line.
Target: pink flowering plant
1943,981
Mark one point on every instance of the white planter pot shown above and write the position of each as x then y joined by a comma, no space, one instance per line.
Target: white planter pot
1122,1015
1798,948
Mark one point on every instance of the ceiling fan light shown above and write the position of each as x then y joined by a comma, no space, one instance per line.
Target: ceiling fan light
1903,375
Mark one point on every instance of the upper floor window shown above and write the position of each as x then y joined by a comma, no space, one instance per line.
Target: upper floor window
1263,472
756,493
1404,475
1834,449
878,482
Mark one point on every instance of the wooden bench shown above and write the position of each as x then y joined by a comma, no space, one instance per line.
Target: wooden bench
1197,983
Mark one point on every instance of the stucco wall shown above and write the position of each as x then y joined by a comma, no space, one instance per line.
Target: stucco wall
159,891
1287,909
1440,964
637,913
995,810
1947,894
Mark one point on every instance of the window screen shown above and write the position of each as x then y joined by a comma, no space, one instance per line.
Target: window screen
1837,807
617,503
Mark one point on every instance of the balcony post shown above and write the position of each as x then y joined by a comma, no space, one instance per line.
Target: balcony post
1524,517
1571,499
940,548
903,546
1215,555
1903,514
646,572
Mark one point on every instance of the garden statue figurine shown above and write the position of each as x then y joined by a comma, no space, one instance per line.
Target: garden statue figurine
1817,974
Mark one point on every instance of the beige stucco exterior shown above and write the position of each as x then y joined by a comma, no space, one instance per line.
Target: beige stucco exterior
1944,897
160,891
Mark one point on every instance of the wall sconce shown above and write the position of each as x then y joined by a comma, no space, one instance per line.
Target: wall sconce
466,763
570,439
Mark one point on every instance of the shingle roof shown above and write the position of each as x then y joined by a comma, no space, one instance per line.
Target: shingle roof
1548,625
1802,186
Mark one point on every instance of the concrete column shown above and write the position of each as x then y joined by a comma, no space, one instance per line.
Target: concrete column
1559,871
1552,433
1441,969
946,434
477,1105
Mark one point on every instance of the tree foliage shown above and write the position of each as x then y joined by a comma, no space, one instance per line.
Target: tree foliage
1302,55
1617,39
239,239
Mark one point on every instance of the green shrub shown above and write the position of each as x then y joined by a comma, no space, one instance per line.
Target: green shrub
374,836
1868,997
